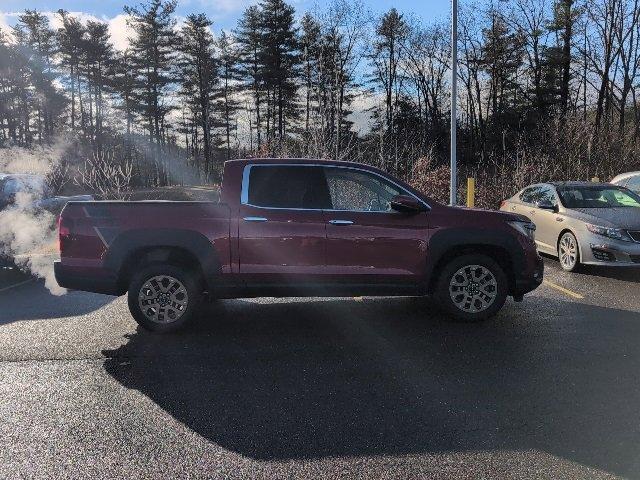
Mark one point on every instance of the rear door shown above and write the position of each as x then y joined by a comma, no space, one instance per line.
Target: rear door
367,242
545,220
281,232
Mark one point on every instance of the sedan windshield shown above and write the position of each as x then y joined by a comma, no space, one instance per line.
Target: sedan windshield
600,196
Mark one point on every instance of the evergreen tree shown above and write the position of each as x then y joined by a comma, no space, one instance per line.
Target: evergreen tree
199,77
230,77
249,39
279,59
153,54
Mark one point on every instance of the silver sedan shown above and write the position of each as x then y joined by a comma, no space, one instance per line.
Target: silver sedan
582,222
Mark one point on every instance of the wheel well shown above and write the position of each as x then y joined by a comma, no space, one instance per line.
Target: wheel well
179,257
499,254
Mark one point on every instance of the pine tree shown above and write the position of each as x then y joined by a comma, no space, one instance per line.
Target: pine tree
230,77
249,40
280,64
199,77
153,52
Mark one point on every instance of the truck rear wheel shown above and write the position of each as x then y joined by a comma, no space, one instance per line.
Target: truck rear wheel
472,288
163,298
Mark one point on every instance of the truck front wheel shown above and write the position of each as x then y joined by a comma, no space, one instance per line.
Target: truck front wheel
163,298
472,288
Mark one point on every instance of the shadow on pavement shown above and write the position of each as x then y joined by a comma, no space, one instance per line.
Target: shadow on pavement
303,380
32,301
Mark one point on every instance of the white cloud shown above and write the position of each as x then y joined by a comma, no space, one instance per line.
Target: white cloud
118,28
120,31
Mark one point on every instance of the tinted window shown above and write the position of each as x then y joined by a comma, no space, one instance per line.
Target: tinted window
633,183
525,196
539,194
288,187
359,191
597,197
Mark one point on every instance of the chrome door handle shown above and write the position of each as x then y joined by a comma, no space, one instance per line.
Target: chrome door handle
254,219
340,222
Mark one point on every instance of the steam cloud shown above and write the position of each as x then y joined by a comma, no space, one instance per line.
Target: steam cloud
27,233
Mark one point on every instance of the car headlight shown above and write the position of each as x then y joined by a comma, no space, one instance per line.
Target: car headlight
526,228
616,233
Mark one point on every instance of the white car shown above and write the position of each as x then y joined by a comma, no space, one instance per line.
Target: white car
630,180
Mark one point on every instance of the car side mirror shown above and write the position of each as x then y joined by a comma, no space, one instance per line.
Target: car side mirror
406,204
545,205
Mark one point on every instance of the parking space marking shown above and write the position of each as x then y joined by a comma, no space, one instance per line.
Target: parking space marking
16,285
566,291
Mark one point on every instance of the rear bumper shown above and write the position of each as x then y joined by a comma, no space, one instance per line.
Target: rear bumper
88,280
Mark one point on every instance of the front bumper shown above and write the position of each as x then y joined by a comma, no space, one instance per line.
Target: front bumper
598,250
530,278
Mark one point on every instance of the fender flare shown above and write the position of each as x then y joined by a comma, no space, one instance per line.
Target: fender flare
444,241
191,241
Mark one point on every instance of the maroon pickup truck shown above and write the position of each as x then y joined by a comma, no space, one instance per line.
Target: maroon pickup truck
291,227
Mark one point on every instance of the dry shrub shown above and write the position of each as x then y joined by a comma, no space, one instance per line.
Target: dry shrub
430,178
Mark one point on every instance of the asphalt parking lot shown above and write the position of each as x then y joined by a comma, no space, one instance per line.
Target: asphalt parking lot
367,388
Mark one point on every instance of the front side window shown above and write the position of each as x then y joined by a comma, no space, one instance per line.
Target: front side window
359,191
288,187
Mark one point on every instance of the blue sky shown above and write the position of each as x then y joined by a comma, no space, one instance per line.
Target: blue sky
225,13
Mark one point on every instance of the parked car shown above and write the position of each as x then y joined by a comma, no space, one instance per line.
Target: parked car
41,195
582,222
631,180
289,227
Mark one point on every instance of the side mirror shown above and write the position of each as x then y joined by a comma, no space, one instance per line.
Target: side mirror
406,204
545,205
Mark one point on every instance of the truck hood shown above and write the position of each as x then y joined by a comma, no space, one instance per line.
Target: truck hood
492,214
618,217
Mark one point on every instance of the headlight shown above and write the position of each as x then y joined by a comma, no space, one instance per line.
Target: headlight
526,228
616,233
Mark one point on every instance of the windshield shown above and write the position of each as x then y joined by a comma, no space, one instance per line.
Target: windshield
601,196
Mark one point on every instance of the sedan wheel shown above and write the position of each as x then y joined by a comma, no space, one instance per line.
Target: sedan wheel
568,252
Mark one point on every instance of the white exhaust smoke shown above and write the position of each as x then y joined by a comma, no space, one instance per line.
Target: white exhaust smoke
28,234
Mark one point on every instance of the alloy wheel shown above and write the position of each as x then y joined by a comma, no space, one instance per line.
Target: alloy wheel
163,299
568,251
473,288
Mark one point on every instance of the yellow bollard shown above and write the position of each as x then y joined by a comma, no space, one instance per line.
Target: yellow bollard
471,192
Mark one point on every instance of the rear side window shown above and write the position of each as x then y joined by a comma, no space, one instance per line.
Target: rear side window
288,187
538,194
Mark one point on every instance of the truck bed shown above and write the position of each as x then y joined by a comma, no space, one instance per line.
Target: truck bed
98,238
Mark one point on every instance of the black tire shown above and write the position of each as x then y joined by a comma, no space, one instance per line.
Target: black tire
569,265
163,321
474,298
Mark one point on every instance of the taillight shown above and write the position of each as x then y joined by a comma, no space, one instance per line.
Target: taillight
64,232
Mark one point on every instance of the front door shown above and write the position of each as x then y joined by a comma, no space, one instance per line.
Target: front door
281,229
367,242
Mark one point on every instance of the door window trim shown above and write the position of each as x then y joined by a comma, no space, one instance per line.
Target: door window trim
244,191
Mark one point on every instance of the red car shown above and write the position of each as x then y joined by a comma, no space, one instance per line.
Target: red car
291,227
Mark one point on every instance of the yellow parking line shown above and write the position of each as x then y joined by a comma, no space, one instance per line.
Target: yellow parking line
563,290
